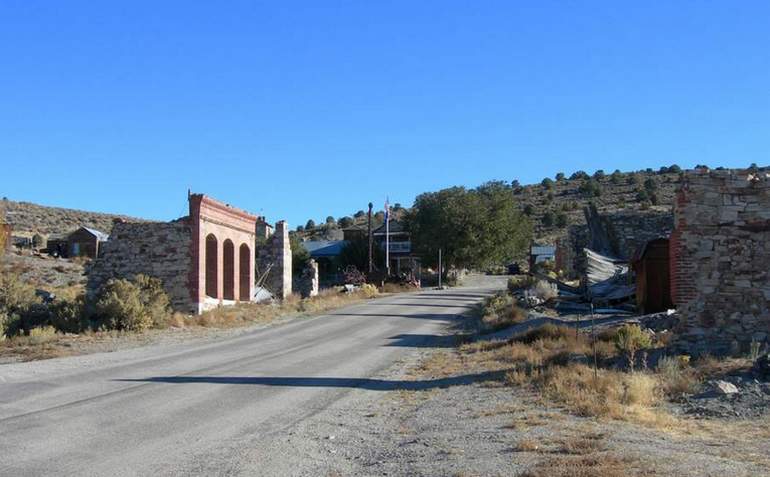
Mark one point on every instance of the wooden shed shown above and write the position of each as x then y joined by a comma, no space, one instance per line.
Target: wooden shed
85,242
653,282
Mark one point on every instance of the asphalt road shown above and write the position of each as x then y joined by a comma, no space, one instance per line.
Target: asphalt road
201,408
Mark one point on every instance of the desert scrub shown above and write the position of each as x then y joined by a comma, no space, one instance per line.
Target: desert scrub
543,290
630,339
368,290
676,376
500,311
520,282
132,305
17,302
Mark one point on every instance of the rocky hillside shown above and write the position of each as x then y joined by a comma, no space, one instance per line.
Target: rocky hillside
556,203
28,219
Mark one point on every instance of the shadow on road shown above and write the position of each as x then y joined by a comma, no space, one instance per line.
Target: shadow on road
421,316
328,382
431,305
423,341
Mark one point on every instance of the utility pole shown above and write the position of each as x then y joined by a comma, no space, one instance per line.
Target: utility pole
387,237
369,234
439,269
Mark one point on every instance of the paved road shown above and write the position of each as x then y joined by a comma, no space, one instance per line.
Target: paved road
199,408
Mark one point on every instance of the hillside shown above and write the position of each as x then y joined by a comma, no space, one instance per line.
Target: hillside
28,219
556,204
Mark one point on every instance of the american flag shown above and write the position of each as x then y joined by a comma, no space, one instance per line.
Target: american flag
387,210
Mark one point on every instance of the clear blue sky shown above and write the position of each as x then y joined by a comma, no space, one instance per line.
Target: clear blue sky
308,109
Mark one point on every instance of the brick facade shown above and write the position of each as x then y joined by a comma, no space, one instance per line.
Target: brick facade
720,260
206,259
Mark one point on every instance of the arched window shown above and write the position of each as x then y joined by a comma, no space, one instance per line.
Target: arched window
228,270
212,280
245,272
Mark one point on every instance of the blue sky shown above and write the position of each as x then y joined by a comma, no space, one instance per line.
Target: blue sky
301,110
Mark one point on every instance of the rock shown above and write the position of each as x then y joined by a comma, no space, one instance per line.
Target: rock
723,387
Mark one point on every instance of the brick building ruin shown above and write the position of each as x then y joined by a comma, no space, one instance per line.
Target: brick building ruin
720,260
204,260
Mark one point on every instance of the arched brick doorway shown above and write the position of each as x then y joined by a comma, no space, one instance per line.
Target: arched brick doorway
245,272
228,270
211,266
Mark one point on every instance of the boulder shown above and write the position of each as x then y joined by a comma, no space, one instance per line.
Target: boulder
722,388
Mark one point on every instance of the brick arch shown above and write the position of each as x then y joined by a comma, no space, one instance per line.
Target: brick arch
212,278
228,270
244,262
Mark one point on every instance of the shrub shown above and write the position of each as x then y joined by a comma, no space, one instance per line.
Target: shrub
599,174
543,290
629,340
19,306
547,331
650,184
590,188
369,290
561,219
559,176
41,334
353,276
529,210
547,183
15,295
154,299
68,316
132,305
499,311
548,219
676,377
520,282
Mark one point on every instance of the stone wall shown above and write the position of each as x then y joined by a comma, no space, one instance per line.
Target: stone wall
720,259
275,256
161,250
623,232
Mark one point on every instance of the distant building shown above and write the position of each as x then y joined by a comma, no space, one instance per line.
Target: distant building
263,229
355,232
85,242
325,253
402,260
540,254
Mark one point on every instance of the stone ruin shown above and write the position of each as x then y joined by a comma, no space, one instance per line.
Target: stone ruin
204,260
309,279
720,260
274,262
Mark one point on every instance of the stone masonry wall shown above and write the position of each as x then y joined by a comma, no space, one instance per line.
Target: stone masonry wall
276,255
720,259
161,250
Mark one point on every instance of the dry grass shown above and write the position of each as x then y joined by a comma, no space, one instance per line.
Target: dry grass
527,445
595,465
583,445
554,361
